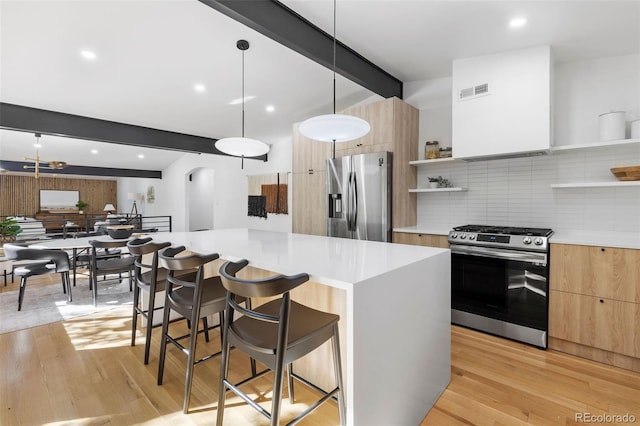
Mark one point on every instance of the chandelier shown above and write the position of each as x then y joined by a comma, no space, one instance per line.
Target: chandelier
39,164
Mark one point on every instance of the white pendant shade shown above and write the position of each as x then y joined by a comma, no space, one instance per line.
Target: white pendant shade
334,127
240,147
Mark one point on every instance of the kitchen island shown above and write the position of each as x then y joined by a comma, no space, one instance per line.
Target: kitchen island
395,313
394,307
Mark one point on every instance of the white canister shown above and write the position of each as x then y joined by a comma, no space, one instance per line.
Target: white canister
612,126
635,129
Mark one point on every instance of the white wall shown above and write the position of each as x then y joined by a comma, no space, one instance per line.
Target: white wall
517,191
229,192
586,89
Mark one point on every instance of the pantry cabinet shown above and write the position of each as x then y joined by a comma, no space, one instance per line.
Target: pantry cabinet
594,302
394,128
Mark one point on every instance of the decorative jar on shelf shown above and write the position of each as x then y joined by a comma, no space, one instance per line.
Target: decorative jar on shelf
446,152
431,150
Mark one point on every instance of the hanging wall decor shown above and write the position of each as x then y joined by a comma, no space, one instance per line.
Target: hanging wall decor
268,194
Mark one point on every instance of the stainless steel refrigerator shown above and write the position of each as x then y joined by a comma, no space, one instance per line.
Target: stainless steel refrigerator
359,196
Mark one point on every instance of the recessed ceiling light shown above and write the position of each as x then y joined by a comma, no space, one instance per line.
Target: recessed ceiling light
140,155
89,55
199,88
270,108
239,100
94,151
517,22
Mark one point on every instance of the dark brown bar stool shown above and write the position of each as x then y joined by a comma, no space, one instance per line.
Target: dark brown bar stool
276,334
148,278
193,298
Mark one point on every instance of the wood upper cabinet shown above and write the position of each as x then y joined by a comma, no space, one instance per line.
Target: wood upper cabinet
595,297
427,240
394,128
380,116
308,155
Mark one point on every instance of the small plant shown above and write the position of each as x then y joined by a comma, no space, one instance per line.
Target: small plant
9,228
442,182
81,205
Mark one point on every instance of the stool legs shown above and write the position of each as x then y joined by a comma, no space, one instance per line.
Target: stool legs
23,285
337,368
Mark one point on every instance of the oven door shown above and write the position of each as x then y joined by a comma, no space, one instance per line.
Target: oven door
507,285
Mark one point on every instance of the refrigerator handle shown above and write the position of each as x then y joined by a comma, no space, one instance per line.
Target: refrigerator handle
354,204
349,202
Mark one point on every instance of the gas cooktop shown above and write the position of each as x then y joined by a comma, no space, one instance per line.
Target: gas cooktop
506,237
511,230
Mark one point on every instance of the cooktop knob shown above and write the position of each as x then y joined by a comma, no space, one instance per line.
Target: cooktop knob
538,241
526,240
463,236
454,235
472,236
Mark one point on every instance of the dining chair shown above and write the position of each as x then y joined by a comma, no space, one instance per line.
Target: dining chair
276,333
110,265
56,261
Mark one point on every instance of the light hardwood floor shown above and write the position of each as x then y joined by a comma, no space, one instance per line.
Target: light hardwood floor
83,372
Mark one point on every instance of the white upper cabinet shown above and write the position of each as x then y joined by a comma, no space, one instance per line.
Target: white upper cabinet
502,104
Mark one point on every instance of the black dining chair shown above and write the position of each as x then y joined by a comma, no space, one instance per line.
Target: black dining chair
100,265
56,261
276,333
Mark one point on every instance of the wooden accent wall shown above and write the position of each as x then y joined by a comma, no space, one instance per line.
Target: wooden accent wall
20,195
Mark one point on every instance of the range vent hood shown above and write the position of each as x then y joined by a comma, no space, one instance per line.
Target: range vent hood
501,106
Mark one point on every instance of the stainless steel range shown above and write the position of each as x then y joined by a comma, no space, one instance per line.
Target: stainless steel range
500,281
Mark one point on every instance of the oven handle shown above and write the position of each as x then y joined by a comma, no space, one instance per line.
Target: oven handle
522,256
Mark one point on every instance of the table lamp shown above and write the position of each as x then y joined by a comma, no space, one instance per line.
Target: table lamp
109,208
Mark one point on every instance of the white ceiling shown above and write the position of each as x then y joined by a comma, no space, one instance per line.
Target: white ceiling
151,53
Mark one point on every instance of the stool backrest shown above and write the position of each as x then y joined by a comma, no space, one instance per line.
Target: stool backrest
167,258
265,287
140,247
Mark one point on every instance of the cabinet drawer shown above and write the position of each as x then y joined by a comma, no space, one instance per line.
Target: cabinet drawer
427,240
601,323
607,272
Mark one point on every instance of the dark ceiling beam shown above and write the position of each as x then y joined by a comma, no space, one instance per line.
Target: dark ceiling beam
276,21
27,119
18,166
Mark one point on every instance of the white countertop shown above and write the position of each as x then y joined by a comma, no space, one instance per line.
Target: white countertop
605,238
338,262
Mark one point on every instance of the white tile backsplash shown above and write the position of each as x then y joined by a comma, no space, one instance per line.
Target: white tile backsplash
517,192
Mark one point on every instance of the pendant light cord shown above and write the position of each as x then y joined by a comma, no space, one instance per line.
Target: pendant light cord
243,93
334,56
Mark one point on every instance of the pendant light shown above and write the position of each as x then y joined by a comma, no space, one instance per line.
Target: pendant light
241,146
334,127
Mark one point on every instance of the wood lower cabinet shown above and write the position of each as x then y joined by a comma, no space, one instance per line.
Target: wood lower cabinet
427,240
594,303
394,128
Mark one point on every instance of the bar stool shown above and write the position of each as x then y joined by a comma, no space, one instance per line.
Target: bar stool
276,334
193,297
